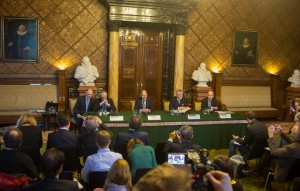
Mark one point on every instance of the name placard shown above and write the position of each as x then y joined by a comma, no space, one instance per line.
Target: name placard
225,115
193,116
154,117
116,118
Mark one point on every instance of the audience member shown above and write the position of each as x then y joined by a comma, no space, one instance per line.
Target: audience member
178,102
64,139
122,138
83,104
220,180
210,102
104,103
12,161
52,164
88,139
254,130
165,177
32,138
143,104
103,159
140,156
282,158
225,165
185,136
118,177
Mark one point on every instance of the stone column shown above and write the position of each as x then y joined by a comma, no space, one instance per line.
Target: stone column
179,59
113,66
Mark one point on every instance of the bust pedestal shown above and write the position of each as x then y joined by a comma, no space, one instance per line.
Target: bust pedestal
199,93
291,94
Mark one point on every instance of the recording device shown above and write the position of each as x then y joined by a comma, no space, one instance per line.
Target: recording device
177,132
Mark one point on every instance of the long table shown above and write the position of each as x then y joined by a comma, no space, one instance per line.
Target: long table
210,131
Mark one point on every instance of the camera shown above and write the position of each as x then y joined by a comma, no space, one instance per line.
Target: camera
198,163
177,132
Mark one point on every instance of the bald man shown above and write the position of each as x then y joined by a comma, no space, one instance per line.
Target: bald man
210,102
83,104
143,104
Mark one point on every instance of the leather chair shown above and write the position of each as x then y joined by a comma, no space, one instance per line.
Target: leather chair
96,179
140,172
72,162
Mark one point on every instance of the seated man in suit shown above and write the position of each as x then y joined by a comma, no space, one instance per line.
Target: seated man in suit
52,164
122,138
88,139
143,104
63,138
254,130
178,102
185,136
104,103
83,104
210,102
103,159
13,161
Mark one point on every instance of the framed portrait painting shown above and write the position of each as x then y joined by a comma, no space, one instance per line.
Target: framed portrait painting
19,39
245,48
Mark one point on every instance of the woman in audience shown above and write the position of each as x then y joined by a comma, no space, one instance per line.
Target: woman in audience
32,138
225,165
118,177
139,155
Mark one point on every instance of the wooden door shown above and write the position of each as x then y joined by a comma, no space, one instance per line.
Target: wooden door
140,66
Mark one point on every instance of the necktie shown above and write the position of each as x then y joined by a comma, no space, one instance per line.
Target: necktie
209,103
87,105
144,104
104,108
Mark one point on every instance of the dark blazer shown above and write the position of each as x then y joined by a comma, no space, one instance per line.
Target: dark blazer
214,103
79,107
32,136
16,162
88,141
124,137
139,105
181,148
174,104
256,129
97,102
53,184
63,138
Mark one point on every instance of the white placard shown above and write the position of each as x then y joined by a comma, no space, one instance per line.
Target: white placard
154,117
116,118
225,115
193,116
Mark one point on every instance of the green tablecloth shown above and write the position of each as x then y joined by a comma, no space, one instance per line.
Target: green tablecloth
210,131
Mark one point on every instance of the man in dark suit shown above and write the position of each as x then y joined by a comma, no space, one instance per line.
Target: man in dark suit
210,102
143,104
88,139
13,161
122,138
83,104
254,130
52,164
185,136
63,138
104,103
178,102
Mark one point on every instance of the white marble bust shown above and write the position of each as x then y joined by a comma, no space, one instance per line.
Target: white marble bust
86,73
295,79
202,75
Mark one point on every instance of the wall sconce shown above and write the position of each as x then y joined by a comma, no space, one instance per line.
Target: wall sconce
215,68
273,67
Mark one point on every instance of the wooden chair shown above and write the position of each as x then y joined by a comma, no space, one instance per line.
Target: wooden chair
132,104
197,105
72,103
166,104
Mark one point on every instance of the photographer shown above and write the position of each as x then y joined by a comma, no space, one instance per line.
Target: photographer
184,136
